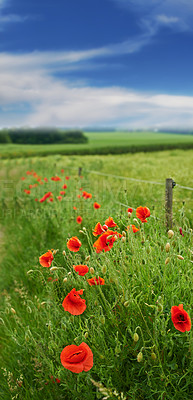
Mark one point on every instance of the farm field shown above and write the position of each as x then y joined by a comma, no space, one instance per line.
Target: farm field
134,349
104,143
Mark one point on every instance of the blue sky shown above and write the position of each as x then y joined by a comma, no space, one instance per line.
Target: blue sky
99,63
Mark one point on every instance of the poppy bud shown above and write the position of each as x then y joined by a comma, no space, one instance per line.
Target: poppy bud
86,335
170,234
167,260
160,307
53,269
123,239
55,251
126,303
29,272
110,237
69,273
104,269
136,337
65,280
124,234
105,227
140,356
26,338
13,310
81,231
102,319
43,302
167,247
180,257
153,356
87,258
129,214
84,229
92,270
64,253
135,220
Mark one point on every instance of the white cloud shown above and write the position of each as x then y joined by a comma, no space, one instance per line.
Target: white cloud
30,95
179,12
11,18
167,20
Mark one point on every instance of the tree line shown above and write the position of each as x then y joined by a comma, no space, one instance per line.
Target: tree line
41,136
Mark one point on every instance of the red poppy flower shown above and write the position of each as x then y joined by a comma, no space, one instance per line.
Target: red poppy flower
59,198
142,213
110,223
74,244
64,186
51,199
23,178
79,219
134,228
46,179
97,205
130,210
105,241
62,170
30,186
180,318
77,358
96,281
50,279
78,196
62,192
81,269
46,196
55,178
67,178
53,381
86,195
29,173
74,208
73,302
181,233
98,229
46,259
36,199
80,189
27,191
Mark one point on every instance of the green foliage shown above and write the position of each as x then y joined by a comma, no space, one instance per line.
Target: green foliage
41,136
139,289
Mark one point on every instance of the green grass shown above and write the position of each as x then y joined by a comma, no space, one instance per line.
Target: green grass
104,143
139,291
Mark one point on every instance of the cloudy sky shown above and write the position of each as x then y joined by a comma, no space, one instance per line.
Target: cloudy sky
97,63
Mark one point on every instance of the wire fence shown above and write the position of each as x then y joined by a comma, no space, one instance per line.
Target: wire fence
169,185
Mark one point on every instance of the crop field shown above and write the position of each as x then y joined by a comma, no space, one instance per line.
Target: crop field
104,143
96,299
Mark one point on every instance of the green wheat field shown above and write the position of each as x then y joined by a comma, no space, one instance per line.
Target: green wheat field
104,143
138,353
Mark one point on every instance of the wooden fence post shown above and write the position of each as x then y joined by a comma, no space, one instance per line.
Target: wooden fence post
79,171
168,202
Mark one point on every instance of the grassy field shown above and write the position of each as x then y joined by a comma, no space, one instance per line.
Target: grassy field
137,351
104,143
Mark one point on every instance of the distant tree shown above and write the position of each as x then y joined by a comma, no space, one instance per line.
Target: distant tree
4,136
